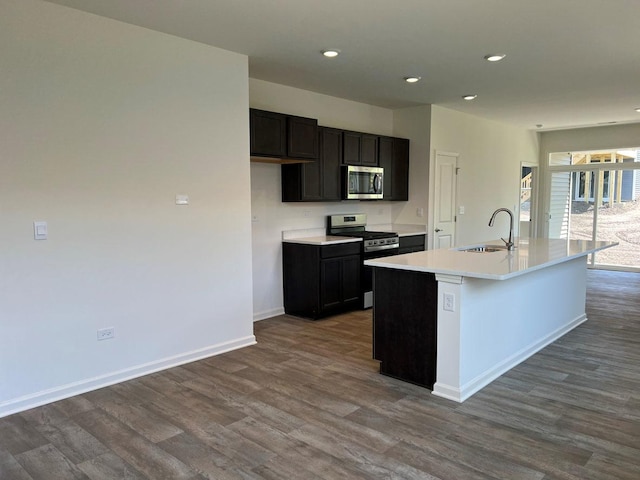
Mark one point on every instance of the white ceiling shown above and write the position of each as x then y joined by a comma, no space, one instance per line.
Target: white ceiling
569,62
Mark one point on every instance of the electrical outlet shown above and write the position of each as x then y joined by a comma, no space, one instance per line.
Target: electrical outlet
419,212
449,302
106,333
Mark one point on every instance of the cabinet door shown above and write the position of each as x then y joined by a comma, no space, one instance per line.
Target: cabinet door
351,267
268,133
331,158
351,148
360,149
369,150
312,190
300,275
339,282
385,159
330,283
302,135
400,169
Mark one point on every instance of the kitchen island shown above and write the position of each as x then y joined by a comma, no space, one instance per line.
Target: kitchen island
454,320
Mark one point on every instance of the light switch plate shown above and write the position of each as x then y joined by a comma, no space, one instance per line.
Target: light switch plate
40,230
182,199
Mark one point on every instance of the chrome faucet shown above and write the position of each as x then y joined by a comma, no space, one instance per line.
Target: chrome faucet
509,243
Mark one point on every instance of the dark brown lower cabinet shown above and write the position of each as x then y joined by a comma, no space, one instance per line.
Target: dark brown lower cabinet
321,280
405,310
412,243
339,281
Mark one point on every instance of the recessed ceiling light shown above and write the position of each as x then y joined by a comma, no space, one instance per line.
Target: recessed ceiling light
638,109
412,79
470,97
494,57
334,52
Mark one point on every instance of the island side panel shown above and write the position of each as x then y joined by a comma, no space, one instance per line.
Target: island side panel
404,324
498,324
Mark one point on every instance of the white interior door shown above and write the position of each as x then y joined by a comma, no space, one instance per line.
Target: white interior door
445,200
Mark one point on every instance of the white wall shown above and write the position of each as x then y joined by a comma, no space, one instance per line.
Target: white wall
271,215
101,125
594,138
489,175
330,111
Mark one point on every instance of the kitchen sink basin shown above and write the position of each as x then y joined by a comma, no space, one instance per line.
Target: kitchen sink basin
484,249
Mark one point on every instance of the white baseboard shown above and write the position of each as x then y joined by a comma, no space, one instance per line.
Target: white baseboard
65,391
446,391
460,394
274,312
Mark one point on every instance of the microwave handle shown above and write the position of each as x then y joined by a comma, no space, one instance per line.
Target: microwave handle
377,183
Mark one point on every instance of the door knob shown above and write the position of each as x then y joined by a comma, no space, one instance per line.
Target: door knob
438,230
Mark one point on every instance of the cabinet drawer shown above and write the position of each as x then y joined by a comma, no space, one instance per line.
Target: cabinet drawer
340,250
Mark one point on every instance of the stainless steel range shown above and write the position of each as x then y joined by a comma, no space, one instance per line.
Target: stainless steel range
374,245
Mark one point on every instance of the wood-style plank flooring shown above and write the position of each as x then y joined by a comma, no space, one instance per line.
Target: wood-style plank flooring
307,402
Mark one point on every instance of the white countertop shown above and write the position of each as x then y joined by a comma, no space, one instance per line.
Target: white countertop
403,230
530,254
316,236
322,240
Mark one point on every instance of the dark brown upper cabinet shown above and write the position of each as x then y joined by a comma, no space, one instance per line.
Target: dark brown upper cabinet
268,133
400,169
316,181
360,149
331,155
302,137
393,156
280,136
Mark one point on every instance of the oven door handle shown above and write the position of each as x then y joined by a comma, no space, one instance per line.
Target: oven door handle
380,248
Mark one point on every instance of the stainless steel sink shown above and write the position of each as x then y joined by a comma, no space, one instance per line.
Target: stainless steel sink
484,249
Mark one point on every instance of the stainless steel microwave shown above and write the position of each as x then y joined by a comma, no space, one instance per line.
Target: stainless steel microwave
362,183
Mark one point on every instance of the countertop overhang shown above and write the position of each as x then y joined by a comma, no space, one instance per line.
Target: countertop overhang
530,254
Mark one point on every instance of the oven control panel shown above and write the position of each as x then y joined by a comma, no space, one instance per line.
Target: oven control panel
381,244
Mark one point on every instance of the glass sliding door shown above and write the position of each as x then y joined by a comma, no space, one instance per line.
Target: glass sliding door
617,220
596,196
